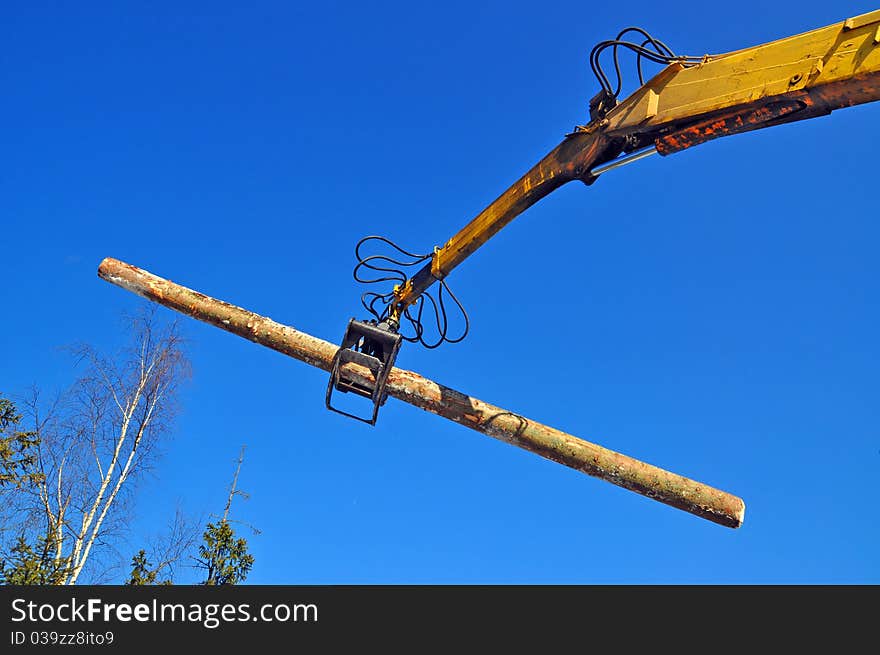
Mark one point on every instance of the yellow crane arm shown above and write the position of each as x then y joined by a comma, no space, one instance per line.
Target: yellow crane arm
686,104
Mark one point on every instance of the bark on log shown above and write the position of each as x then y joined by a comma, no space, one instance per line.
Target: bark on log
669,488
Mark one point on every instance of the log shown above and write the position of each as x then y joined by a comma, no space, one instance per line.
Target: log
658,484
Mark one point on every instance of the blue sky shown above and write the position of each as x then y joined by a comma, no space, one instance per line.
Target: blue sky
713,312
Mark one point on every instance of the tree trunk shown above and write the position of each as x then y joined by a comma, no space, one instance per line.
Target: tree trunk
651,481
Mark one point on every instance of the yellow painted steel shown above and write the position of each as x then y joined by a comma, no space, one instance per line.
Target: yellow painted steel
825,56
823,70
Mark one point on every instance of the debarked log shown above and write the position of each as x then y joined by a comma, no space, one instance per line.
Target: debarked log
656,483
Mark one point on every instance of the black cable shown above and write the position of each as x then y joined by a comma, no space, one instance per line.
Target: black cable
643,51
357,248
467,321
412,316
650,49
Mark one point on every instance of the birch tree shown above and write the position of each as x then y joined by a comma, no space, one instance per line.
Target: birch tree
96,441
163,555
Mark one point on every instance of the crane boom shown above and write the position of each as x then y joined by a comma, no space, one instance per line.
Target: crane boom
794,78
690,101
